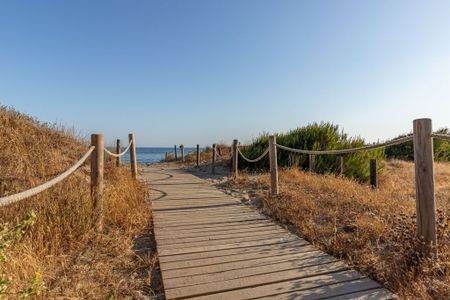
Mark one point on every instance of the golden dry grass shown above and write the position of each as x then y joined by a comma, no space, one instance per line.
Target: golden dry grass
372,230
223,153
74,261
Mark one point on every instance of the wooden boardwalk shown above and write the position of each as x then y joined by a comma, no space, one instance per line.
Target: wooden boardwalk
211,246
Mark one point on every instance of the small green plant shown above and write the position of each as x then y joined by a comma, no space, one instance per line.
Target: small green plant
34,290
111,295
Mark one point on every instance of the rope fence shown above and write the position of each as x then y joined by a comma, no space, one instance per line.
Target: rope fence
253,160
119,154
350,150
441,136
42,187
96,154
422,139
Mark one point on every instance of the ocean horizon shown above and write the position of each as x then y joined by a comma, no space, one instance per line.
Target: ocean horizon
152,155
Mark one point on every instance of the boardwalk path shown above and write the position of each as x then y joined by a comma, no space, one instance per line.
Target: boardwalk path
213,247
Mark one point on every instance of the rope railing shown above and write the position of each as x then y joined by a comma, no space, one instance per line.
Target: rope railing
440,136
118,154
42,187
253,160
350,150
97,165
422,143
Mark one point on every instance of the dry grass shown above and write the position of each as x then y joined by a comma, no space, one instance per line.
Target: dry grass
223,153
372,230
74,261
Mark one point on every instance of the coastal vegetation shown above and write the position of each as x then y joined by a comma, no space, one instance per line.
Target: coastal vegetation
328,136
48,243
315,136
405,151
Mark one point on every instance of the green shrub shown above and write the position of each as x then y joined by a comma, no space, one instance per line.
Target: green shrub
316,136
405,151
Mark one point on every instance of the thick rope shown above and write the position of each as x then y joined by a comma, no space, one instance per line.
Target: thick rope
351,150
440,136
119,154
40,188
256,159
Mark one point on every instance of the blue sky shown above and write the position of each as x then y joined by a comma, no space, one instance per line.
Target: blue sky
209,71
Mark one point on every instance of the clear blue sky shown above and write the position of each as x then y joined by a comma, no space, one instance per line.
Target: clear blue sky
206,71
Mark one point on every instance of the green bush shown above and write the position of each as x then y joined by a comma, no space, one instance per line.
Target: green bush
405,151
316,136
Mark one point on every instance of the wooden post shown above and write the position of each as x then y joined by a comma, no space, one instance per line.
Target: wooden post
273,165
213,165
97,166
234,160
133,161
373,173
118,151
198,155
339,165
165,158
182,152
175,151
425,197
312,162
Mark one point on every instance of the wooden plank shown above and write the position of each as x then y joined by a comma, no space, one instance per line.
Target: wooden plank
212,221
177,239
209,215
281,248
335,290
216,234
228,241
240,257
183,203
284,287
227,246
299,263
256,261
218,227
373,294
241,282
208,219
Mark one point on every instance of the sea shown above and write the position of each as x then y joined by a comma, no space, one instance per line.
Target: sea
152,155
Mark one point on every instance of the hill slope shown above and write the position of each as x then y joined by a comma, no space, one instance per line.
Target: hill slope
55,252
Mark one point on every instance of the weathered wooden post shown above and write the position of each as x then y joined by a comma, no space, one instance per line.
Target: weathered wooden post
273,165
373,173
234,160
198,155
97,166
118,151
425,197
312,162
213,164
133,161
182,152
165,157
339,165
175,151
